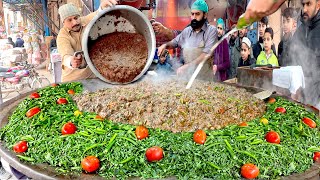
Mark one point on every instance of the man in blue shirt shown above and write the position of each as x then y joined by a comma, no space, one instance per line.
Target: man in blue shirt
196,41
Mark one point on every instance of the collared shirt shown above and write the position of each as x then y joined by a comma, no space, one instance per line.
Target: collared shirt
189,38
264,59
69,42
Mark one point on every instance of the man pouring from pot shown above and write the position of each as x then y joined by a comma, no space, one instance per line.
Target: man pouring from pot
74,67
196,41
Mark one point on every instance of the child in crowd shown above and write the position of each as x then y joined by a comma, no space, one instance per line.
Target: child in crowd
258,47
267,56
163,64
246,59
289,23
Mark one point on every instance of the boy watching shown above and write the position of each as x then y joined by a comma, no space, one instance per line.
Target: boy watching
267,56
289,23
163,64
258,47
246,59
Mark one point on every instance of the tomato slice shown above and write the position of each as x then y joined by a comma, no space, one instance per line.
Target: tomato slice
271,100
243,124
200,136
154,153
20,147
90,164
98,117
54,85
33,111
309,122
316,156
34,95
280,110
141,132
68,128
249,171
273,137
62,101
71,91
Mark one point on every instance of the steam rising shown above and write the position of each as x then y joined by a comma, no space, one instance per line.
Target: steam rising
305,57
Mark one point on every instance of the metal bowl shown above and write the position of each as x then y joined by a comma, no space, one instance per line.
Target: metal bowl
120,18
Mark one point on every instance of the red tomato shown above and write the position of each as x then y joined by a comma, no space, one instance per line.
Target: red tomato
141,132
54,85
20,147
154,153
273,137
316,156
62,101
309,122
68,128
90,164
244,124
71,91
280,110
271,100
200,136
98,117
34,95
33,111
249,171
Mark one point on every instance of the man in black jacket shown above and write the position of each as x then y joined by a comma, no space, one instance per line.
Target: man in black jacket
258,47
305,49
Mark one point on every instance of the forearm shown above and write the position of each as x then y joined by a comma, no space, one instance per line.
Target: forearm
169,33
199,59
170,45
66,61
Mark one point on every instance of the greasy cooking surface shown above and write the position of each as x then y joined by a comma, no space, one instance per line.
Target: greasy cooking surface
170,106
119,56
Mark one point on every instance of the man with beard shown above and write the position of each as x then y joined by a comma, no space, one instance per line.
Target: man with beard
232,40
196,41
304,50
258,47
69,41
221,62
234,59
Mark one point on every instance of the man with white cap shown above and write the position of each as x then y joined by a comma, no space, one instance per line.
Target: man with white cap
69,41
196,41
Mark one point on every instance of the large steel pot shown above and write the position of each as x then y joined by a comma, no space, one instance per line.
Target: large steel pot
119,18
44,171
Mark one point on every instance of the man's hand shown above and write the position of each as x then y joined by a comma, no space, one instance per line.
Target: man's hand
158,27
161,30
161,49
76,62
257,9
214,69
107,3
181,70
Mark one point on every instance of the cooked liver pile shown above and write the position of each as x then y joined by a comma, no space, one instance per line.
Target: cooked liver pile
119,56
170,106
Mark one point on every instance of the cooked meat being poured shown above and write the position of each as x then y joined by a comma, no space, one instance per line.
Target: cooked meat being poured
119,56
169,106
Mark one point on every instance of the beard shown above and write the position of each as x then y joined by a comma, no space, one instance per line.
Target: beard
76,28
232,41
306,18
195,24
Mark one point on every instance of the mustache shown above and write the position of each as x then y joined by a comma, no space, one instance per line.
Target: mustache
76,25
